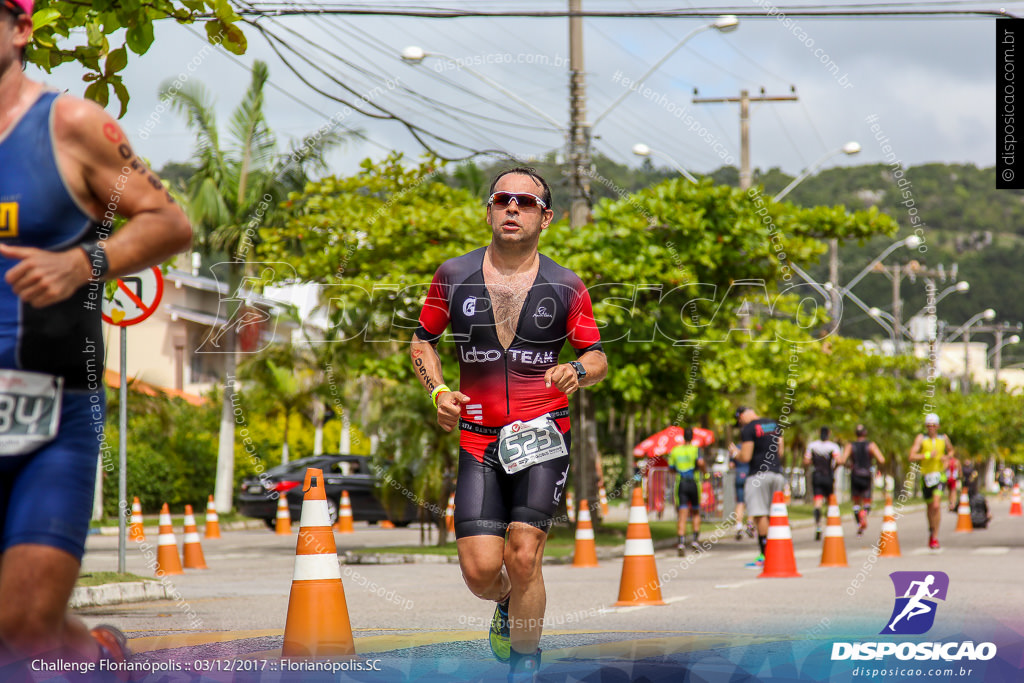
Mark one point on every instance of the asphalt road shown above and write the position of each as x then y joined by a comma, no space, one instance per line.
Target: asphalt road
718,611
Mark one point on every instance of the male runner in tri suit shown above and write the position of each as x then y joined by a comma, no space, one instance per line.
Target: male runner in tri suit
931,452
823,454
858,455
761,445
66,170
685,460
511,310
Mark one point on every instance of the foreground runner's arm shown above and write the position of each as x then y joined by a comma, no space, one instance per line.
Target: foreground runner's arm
564,376
844,457
427,365
106,177
876,453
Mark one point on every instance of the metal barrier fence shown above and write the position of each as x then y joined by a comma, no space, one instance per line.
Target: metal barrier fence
660,485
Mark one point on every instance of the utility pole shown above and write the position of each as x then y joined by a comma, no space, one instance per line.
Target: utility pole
998,330
579,129
745,99
584,443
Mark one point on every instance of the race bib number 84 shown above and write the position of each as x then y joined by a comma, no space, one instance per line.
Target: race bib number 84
29,410
522,444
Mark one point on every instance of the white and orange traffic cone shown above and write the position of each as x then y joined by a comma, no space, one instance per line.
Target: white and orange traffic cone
212,520
603,497
192,550
449,515
585,554
284,516
833,550
570,507
889,541
639,584
317,624
963,518
787,495
1015,509
387,524
136,532
167,560
779,559
344,525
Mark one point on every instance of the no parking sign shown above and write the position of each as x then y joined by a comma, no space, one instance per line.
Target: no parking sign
135,298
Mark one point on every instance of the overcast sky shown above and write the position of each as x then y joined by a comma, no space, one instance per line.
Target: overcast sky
928,81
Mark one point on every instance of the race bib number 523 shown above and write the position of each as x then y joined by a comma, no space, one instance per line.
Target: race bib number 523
522,444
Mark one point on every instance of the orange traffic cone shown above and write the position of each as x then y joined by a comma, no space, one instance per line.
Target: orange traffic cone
344,525
963,519
449,515
317,624
167,560
1015,509
137,533
604,500
570,507
585,554
889,541
779,560
787,495
192,551
833,550
284,516
212,520
387,524
639,584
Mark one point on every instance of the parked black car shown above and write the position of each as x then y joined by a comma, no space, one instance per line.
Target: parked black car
259,495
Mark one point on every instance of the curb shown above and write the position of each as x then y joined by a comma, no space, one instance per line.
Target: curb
224,526
118,593
350,557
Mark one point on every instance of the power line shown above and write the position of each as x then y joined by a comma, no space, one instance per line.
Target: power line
272,9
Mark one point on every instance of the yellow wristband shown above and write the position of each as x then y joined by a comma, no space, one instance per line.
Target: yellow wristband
434,394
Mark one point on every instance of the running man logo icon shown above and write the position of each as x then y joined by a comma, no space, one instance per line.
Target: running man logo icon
916,592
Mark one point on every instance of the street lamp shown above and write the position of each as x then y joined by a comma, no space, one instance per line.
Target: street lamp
413,54
965,329
962,286
642,150
724,24
880,316
850,148
912,242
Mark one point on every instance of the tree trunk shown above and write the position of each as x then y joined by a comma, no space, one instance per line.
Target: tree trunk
318,432
284,446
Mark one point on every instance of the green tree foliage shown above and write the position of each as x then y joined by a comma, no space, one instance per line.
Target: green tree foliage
59,26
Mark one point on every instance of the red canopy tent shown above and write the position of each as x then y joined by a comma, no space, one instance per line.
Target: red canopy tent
664,441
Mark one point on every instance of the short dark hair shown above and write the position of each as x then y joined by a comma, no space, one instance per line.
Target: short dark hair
825,431
862,430
688,434
527,171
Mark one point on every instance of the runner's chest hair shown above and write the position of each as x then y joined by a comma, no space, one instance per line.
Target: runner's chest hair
508,294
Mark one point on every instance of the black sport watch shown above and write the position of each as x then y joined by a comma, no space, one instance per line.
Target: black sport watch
581,371
97,255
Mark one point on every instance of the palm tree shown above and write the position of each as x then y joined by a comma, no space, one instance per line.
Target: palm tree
236,188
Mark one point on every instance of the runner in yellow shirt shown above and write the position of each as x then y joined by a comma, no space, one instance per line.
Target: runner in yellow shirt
932,452
685,459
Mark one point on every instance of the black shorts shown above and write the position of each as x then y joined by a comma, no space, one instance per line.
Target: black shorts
928,492
822,486
487,498
860,487
689,494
